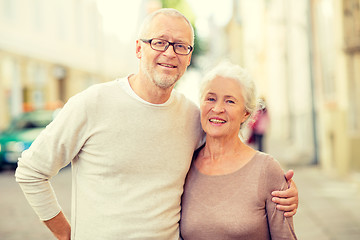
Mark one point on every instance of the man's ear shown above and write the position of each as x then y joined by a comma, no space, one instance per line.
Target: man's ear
138,49
188,64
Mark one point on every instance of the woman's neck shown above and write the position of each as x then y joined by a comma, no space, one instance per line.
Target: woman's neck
220,157
216,149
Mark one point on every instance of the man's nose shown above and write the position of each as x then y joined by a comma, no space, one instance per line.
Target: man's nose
170,50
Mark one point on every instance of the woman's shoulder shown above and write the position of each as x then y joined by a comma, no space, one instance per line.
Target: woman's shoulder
262,156
271,167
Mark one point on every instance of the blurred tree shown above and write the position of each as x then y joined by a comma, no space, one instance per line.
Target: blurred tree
184,8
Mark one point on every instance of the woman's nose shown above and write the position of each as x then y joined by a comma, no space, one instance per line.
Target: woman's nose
219,107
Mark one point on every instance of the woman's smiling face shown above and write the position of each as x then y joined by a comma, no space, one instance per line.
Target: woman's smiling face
222,108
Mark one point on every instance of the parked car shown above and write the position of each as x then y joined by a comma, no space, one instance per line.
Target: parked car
21,133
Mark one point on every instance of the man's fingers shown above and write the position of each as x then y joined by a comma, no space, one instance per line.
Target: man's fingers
278,194
284,201
287,200
290,192
291,213
286,208
289,174
287,205
283,194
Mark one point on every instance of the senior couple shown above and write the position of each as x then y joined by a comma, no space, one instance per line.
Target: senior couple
131,143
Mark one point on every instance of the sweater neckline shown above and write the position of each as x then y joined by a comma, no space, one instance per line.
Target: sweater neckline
227,175
125,85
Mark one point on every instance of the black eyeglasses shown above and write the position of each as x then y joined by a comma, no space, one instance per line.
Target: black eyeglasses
162,45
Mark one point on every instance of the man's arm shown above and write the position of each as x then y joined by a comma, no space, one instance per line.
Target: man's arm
287,200
59,226
52,150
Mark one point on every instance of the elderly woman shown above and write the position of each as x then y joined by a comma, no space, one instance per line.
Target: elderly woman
228,189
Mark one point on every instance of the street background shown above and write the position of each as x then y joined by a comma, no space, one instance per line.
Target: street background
304,56
329,207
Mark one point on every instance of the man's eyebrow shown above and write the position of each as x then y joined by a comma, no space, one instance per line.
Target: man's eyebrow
176,40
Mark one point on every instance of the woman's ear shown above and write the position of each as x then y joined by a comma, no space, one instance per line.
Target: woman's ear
246,116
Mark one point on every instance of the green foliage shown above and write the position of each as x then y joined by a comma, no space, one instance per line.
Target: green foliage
184,8
170,3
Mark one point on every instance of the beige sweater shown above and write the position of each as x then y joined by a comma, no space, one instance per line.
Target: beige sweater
129,162
235,206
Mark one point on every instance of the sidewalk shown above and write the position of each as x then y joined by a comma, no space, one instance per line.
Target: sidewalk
329,207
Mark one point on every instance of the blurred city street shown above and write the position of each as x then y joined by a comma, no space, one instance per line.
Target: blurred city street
18,220
304,57
329,207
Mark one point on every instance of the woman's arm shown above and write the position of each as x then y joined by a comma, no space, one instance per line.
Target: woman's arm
280,227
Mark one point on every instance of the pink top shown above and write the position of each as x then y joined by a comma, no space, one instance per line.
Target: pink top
236,205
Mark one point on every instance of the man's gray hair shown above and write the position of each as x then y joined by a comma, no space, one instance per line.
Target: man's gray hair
167,12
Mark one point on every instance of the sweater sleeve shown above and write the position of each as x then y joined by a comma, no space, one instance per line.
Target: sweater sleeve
280,227
53,149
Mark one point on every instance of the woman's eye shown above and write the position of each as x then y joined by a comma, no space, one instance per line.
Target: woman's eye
211,99
230,101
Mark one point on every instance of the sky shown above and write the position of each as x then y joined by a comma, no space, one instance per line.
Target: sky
119,17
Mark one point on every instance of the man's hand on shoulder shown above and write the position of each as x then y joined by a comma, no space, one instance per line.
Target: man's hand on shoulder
287,200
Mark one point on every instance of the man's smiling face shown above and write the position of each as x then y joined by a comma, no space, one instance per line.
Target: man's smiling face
164,69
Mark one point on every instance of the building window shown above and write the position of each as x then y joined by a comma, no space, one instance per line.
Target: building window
354,93
8,9
38,18
351,10
352,24
323,24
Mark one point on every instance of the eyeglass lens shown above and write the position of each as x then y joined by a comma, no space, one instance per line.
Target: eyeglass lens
162,45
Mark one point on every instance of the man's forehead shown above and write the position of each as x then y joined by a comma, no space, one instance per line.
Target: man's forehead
163,18
161,27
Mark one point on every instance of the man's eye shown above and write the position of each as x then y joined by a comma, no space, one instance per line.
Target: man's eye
159,43
181,46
